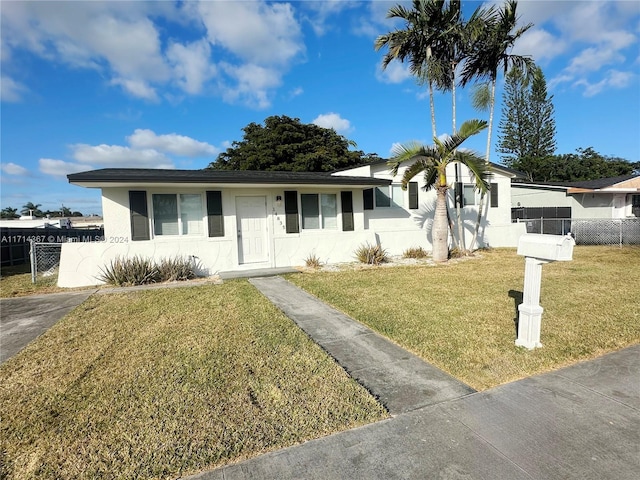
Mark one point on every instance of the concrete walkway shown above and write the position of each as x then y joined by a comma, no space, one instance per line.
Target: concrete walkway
580,422
23,319
400,380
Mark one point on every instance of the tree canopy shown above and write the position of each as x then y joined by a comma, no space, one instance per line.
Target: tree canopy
585,164
287,144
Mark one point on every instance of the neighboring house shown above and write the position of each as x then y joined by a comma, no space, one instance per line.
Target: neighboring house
237,220
606,198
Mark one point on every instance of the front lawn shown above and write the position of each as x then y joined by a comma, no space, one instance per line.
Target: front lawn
163,383
460,316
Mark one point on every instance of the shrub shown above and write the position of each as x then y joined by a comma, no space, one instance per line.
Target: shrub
371,254
312,261
135,270
415,252
176,269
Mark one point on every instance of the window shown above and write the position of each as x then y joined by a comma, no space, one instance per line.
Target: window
177,214
319,211
391,196
382,197
397,195
468,195
635,205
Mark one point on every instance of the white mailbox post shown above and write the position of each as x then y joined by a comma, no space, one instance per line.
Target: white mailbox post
537,249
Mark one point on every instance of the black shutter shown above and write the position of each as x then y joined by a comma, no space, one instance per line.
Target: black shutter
413,195
367,197
214,213
139,215
458,195
291,211
494,194
346,198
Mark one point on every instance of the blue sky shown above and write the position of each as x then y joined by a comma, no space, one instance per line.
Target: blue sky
89,85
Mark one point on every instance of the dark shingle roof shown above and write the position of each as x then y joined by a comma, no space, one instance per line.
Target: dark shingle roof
150,175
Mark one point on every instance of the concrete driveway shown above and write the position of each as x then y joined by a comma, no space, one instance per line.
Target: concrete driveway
23,319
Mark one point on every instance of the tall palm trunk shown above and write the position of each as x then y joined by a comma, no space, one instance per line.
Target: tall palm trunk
432,105
481,207
461,242
440,230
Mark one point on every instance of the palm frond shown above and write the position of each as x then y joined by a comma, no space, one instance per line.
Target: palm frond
480,170
414,169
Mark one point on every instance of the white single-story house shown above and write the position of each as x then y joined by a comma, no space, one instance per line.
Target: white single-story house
606,198
237,220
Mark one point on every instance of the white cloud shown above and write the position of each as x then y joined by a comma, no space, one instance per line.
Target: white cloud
321,12
267,35
540,45
333,120
396,72
60,168
118,156
171,143
252,84
137,88
191,64
13,169
296,92
613,79
10,90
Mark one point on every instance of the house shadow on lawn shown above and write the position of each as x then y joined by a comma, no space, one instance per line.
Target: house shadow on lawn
518,298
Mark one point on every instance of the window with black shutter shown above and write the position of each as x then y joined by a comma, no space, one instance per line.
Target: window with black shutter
291,211
413,195
139,215
494,194
346,198
214,213
367,197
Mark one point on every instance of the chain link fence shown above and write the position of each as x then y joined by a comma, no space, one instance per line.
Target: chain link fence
596,231
45,260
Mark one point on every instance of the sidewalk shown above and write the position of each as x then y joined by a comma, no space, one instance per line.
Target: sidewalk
580,422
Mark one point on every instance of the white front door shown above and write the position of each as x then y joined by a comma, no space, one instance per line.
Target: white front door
251,218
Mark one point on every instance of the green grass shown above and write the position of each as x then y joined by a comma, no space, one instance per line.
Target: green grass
460,316
159,384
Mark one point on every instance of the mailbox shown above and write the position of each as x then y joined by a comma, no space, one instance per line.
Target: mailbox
546,247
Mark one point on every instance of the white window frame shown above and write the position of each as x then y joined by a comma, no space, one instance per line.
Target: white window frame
322,218
180,222
394,193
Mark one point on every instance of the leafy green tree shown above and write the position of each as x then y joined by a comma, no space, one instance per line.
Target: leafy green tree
32,209
527,125
286,144
585,164
432,160
9,213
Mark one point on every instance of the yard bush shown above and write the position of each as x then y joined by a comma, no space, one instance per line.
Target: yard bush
371,254
312,261
415,252
137,270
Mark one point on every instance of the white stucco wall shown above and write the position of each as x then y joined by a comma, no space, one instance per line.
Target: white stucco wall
395,228
583,205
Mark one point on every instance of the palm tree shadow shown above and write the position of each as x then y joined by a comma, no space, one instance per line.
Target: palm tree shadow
518,298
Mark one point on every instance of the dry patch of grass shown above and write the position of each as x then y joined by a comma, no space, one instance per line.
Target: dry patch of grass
461,316
158,384
16,282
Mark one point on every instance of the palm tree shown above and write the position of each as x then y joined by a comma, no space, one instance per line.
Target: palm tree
427,28
489,55
433,161
32,209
